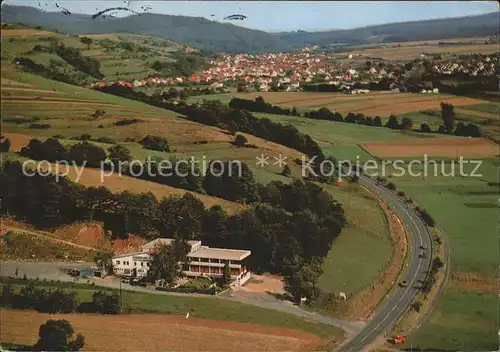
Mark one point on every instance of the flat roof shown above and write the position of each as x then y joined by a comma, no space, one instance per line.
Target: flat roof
220,253
167,241
129,254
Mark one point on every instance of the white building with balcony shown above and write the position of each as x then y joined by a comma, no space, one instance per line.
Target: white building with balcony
201,261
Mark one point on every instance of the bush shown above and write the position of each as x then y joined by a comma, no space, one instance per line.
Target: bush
240,140
125,122
391,186
401,194
119,153
426,217
416,306
54,335
40,125
4,144
155,143
106,304
425,128
107,140
286,171
98,113
88,153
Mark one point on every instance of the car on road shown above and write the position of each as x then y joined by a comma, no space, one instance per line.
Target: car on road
423,247
138,281
403,283
397,339
422,255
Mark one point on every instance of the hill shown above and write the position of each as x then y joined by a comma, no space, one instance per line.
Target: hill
211,35
195,31
445,28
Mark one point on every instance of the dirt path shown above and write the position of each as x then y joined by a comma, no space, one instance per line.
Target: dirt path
22,89
47,237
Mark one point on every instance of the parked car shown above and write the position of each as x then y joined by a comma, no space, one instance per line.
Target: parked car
138,281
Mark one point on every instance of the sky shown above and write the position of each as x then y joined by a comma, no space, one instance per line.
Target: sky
275,16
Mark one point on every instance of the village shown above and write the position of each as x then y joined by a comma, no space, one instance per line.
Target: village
293,71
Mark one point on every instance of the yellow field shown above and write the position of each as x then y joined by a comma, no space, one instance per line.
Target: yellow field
158,333
23,32
380,104
412,50
444,147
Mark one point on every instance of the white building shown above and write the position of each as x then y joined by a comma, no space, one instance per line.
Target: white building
201,261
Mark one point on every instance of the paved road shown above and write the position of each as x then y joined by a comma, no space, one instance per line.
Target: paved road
416,270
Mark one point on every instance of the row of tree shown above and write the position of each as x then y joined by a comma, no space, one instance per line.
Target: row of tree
58,300
292,225
447,114
215,114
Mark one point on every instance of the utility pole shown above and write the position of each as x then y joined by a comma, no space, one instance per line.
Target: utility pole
121,299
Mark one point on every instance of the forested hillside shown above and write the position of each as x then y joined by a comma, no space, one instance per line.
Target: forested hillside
212,35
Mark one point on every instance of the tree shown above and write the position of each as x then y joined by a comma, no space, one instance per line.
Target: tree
391,186
303,283
166,258
87,41
183,94
286,171
4,145
106,304
119,153
54,335
377,121
240,140
103,260
155,143
226,274
392,123
406,123
425,128
88,153
448,116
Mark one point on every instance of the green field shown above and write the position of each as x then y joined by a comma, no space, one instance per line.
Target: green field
364,246
466,208
341,139
464,321
117,61
201,307
490,107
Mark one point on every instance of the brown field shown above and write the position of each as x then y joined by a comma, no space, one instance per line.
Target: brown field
481,115
373,103
117,183
25,89
474,282
445,147
101,36
151,332
17,141
23,32
11,83
412,50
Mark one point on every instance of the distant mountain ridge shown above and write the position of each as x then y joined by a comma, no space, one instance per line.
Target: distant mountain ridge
211,35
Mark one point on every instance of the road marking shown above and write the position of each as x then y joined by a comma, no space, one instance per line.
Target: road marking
416,233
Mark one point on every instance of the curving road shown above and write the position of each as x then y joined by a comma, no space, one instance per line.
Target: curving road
416,269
